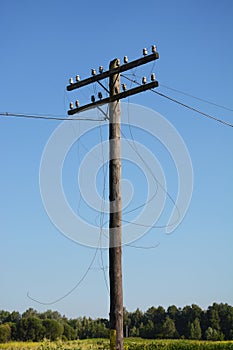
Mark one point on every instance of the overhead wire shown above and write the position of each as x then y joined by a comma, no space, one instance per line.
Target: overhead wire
148,168
182,104
104,169
179,91
141,246
193,109
90,267
196,98
143,204
158,184
148,201
45,117
132,138
58,118
77,145
71,290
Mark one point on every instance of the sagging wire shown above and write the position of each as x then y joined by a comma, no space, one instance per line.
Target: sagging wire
182,104
71,290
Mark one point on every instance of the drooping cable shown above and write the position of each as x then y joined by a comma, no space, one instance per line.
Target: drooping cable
196,98
71,290
182,104
45,117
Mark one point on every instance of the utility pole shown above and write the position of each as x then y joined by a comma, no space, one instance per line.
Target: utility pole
115,197
115,222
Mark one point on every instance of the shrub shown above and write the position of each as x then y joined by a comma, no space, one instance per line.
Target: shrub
5,333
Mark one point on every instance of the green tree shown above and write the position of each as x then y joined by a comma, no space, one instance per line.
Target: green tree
98,329
134,332
126,320
187,317
225,313
30,312
147,331
84,328
213,334
30,329
14,330
173,312
136,318
213,317
157,316
195,330
51,315
69,332
176,315
4,316
5,333
52,329
14,317
169,328
196,312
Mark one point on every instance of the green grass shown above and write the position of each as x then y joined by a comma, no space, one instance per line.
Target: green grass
129,344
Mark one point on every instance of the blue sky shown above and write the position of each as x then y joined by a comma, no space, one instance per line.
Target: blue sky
43,44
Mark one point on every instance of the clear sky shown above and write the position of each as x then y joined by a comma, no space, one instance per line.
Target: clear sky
43,44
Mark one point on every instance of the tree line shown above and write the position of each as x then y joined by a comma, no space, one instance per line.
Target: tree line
189,322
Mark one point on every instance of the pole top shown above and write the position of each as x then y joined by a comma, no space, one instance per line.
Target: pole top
114,63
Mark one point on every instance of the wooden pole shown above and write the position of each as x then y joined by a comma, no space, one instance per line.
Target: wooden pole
115,223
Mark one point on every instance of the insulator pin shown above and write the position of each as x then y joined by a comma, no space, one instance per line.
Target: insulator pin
152,77
144,80
153,48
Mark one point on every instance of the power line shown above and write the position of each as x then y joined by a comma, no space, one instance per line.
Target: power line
44,117
142,246
193,109
182,104
184,93
104,169
71,290
158,184
56,118
196,98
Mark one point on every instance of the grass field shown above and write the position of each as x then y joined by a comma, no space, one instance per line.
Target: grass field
129,344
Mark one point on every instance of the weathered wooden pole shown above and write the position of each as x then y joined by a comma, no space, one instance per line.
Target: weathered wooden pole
115,223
